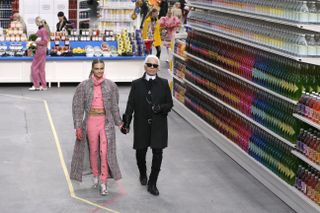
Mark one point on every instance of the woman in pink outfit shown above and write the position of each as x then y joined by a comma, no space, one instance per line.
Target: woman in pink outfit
169,24
39,60
95,112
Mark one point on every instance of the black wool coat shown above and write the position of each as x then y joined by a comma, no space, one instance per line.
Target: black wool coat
155,134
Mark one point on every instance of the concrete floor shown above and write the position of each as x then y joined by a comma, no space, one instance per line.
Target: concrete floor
196,175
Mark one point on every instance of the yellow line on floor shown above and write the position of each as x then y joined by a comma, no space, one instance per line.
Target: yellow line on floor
63,163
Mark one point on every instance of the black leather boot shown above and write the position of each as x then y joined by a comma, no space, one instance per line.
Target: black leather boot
155,169
141,162
152,184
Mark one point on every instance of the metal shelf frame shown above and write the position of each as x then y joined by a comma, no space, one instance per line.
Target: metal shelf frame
276,20
289,194
310,60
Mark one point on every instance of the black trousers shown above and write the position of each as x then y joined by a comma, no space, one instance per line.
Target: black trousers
156,163
158,48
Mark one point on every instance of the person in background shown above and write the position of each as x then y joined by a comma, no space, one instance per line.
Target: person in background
176,11
149,102
168,25
151,30
16,17
163,8
63,23
144,12
39,59
95,110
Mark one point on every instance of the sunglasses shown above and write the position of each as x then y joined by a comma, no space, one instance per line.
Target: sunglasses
152,65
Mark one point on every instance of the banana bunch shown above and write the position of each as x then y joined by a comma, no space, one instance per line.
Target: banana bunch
124,43
78,50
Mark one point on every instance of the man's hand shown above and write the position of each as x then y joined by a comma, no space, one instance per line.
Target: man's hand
79,134
156,108
124,130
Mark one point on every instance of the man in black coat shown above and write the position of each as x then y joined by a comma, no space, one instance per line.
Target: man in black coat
163,8
149,102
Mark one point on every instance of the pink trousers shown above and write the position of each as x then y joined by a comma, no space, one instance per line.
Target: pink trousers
38,73
98,141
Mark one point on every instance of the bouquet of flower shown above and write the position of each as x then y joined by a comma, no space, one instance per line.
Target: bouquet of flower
31,48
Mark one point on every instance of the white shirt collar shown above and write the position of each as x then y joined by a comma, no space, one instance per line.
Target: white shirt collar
148,77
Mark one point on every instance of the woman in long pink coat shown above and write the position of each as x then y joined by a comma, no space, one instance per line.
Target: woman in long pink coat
95,109
39,60
169,25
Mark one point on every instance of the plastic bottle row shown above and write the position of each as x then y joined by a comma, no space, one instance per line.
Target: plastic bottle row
283,38
5,4
116,15
263,147
308,182
268,110
179,68
279,74
309,106
308,143
5,14
292,10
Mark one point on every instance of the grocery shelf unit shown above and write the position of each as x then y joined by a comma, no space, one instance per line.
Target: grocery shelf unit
83,14
116,15
73,15
7,9
184,82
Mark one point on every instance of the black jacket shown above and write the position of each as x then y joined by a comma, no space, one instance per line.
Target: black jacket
163,9
139,105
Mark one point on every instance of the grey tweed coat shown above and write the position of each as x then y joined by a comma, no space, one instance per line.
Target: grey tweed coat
81,105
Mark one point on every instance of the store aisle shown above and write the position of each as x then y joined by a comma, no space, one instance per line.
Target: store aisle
196,175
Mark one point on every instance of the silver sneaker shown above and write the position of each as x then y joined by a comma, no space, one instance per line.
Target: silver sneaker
104,189
34,88
95,182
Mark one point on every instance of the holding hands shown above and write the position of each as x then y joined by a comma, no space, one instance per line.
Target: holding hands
125,128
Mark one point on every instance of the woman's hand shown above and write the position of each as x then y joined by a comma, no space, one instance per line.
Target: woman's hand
79,134
38,39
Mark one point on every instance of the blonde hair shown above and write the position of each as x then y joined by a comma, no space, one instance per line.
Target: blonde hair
43,23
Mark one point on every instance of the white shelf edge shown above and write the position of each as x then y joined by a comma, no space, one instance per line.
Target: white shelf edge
84,19
179,56
312,27
110,20
289,194
243,79
177,78
241,114
306,120
116,8
84,9
309,60
179,41
305,159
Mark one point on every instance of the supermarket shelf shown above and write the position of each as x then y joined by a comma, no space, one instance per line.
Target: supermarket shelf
4,19
305,159
84,19
110,7
243,79
293,197
312,27
241,114
309,60
177,78
84,9
179,56
116,20
307,120
180,41
5,9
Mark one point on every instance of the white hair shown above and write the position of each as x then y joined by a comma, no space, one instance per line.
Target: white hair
151,56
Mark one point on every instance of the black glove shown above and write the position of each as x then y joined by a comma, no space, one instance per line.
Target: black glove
156,109
126,124
124,130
